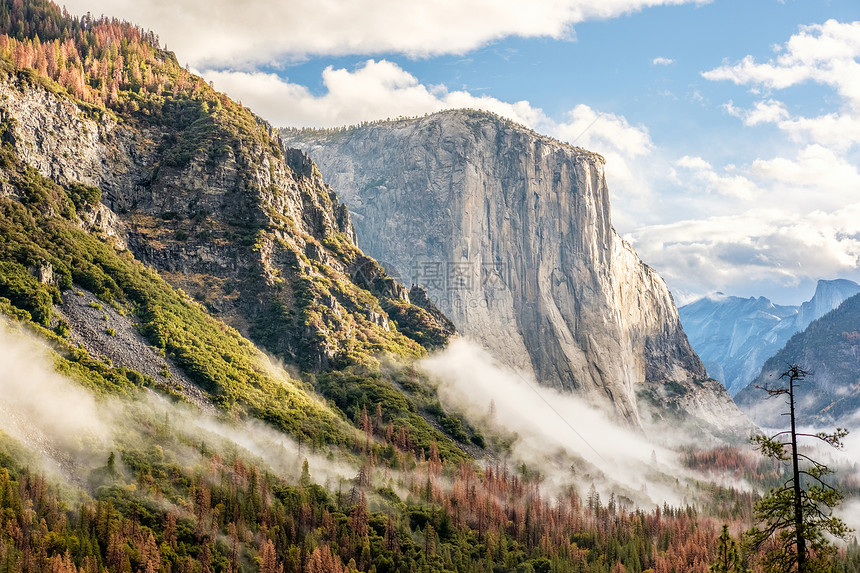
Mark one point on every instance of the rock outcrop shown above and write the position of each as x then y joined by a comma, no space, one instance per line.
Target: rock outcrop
510,234
734,336
207,196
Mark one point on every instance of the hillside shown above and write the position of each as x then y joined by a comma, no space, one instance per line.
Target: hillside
735,336
510,232
172,175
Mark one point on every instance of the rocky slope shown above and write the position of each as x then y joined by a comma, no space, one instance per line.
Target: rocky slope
205,194
829,348
510,234
735,336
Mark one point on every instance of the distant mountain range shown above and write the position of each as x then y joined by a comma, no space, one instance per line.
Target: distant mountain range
735,336
829,348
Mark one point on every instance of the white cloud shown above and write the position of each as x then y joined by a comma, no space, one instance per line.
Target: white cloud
591,129
824,53
830,177
770,111
218,33
836,131
697,163
798,220
613,137
757,247
704,177
374,90
662,61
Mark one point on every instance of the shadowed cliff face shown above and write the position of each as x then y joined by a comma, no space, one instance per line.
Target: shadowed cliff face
206,195
510,234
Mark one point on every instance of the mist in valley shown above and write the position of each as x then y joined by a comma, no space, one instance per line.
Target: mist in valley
530,429
70,431
571,442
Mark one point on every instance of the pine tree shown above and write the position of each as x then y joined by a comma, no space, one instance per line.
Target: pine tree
796,516
728,557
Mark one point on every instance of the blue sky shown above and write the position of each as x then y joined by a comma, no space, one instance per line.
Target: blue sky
731,128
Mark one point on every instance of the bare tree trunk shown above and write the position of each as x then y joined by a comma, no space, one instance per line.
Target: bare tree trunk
798,501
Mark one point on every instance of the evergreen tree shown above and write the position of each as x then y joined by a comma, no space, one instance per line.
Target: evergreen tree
728,557
796,516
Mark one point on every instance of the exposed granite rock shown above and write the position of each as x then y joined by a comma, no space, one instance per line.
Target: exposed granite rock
510,234
103,332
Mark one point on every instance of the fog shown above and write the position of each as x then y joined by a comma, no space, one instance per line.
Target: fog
568,440
72,431
60,421
278,451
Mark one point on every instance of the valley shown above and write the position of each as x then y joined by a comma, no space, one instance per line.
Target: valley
411,345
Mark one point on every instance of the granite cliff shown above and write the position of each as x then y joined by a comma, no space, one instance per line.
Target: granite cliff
510,234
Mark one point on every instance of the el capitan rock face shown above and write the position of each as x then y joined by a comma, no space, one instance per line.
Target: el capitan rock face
510,233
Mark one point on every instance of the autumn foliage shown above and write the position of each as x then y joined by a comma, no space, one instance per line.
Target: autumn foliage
99,61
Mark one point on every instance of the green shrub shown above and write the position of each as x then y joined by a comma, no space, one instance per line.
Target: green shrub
62,329
25,291
82,195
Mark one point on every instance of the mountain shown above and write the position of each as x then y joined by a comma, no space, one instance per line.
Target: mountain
195,239
735,336
510,234
829,348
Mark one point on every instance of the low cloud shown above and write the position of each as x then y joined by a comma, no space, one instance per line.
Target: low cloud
63,423
572,444
71,431
568,440
662,61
